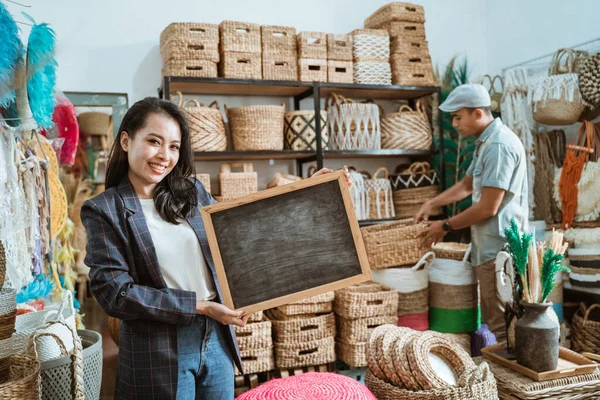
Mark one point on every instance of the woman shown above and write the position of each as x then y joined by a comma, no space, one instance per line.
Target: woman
151,266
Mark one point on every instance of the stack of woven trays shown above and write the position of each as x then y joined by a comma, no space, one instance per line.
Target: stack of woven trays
190,49
279,53
406,364
339,58
413,187
241,50
312,56
359,310
8,314
256,345
304,332
371,53
410,59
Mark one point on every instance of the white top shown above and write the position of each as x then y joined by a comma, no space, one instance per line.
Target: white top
179,254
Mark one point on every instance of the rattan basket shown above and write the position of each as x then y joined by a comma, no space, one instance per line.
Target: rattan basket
339,47
257,360
358,330
372,73
280,68
190,41
395,11
206,124
20,378
296,355
312,70
363,301
353,354
300,131
405,29
406,129
190,68
450,250
303,329
352,126
278,41
408,202
370,45
312,45
585,332
410,45
419,174
240,37
340,71
255,335
415,71
379,195
241,65
236,184
256,127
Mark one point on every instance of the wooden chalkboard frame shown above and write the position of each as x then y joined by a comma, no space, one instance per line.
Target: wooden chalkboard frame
365,275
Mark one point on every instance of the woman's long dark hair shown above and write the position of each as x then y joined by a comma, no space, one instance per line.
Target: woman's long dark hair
175,197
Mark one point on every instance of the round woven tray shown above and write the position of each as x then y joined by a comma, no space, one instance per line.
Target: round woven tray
385,354
372,346
401,363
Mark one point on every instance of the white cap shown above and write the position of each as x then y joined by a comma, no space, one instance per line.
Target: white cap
469,95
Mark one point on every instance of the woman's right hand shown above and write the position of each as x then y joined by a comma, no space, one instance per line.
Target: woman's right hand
423,213
221,313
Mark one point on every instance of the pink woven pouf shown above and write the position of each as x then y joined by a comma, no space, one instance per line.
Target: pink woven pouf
310,386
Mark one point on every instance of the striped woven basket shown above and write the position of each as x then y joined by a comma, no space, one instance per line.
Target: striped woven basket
206,124
406,129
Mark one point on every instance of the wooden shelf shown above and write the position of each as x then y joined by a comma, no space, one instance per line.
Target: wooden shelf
379,92
252,155
374,153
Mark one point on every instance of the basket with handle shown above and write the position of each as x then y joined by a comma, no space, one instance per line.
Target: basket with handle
206,124
256,127
352,126
379,195
236,184
495,94
418,174
406,129
585,333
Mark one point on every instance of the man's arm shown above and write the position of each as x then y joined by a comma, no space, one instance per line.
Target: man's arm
456,193
491,198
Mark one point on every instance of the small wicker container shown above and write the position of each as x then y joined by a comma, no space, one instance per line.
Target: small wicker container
370,45
280,68
353,354
395,11
585,333
405,29
255,335
241,65
340,71
372,73
257,360
312,70
190,68
20,378
406,129
408,202
358,330
256,127
312,45
205,180
362,301
300,131
412,72
240,37
296,355
278,42
206,124
190,41
339,47
236,184
394,244
304,329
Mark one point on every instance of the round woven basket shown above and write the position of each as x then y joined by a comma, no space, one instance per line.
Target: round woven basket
256,127
406,129
20,378
585,332
206,124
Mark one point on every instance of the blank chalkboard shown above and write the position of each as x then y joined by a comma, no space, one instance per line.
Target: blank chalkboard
286,243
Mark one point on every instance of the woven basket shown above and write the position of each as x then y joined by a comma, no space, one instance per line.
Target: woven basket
340,71
372,73
321,298
353,354
359,330
411,45
304,329
394,244
205,180
379,195
339,47
8,312
302,354
256,127
585,332
190,68
312,70
302,309
362,301
406,129
278,41
255,335
408,202
312,45
450,250
352,126
256,317
282,179
370,45
417,175
236,184
412,71
241,65
2,264
206,124
190,41
257,360
395,11
20,378
300,132
415,30
280,68
240,37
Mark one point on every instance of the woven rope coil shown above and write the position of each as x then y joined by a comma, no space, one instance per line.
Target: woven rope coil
241,65
302,354
585,333
373,344
406,129
385,356
255,335
339,47
358,330
372,73
256,127
352,126
312,70
240,37
312,45
206,124
361,301
340,71
190,68
236,184
300,131
278,41
257,360
396,11
304,329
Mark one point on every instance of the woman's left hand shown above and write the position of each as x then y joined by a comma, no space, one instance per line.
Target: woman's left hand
324,171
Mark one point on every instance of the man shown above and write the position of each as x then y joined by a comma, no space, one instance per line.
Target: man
497,180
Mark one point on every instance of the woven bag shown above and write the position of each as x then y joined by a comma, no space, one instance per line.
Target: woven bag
495,94
589,79
406,129
556,98
417,175
585,332
379,196
352,126
206,124
395,11
300,132
256,127
236,184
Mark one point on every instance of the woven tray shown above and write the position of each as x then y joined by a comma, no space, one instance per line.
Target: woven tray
255,335
360,329
353,354
396,11
240,37
295,355
362,301
304,329
190,68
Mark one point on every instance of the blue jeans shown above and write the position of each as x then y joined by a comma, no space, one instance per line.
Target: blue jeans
205,366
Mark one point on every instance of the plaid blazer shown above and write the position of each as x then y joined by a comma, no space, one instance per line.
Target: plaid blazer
127,282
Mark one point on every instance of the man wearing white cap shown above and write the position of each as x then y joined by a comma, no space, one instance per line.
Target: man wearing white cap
497,181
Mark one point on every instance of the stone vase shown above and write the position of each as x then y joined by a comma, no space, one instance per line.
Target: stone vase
537,334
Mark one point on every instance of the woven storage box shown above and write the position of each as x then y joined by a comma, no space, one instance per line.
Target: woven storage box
304,329
278,41
280,68
396,11
20,378
312,70
206,124
205,179
257,360
255,335
361,301
190,68
352,126
300,131
312,45
406,129
394,244
8,312
240,37
359,330
236,184
256,127
340,71
405,29
309,308
379,195
296,355
241,65
353,354
585,332
339,47
372,73
417,175
190,41
413,46
370,45
412,71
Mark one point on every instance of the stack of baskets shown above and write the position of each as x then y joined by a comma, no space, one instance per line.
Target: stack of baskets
339,58
304,332
359,310
236,184
256,127
352,125
413,187
371,53
585,331
8,314
190,49
406,129
312,57
240,47
255,341
405,23
279,53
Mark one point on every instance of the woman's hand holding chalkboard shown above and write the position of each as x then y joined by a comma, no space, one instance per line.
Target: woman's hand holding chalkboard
221,313
324,171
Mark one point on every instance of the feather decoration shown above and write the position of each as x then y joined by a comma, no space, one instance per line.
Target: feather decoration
11,54
518,246
39,288
552,264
